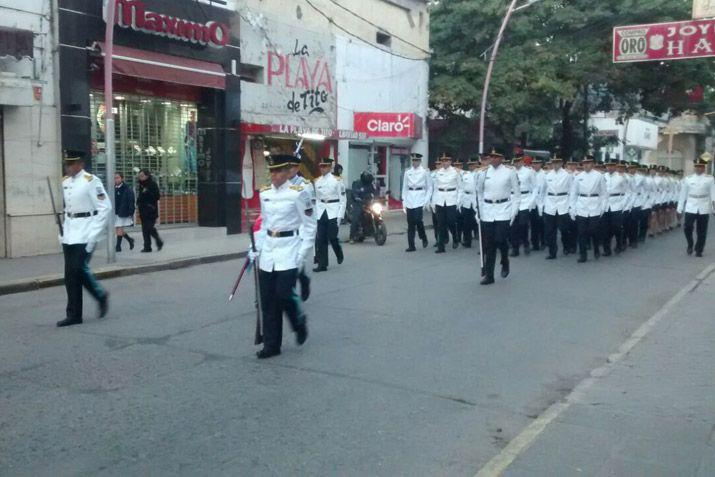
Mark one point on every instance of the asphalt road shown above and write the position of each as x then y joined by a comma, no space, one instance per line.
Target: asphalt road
411,367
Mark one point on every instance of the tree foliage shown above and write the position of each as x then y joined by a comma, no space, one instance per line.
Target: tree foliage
554,67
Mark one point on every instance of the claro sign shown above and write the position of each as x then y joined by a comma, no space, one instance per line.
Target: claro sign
135,15
405,125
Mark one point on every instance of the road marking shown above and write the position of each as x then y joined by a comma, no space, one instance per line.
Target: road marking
500,462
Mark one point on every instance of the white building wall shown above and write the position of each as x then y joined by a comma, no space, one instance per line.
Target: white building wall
372,80
31,141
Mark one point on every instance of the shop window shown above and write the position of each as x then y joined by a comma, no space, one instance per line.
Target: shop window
384,39
156,134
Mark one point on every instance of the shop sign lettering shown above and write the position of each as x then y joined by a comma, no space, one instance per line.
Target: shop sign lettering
309,77
664,41
407,125
134,14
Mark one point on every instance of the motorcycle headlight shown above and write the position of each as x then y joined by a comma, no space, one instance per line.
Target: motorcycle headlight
377,208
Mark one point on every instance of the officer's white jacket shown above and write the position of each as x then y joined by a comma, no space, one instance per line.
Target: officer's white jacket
588,194
416,188
555,194
468,191
330,196
84,193
540,186
659,190
618,188
284,209
529,188
638,189
648,191
308,191
446,186
497,185
697,195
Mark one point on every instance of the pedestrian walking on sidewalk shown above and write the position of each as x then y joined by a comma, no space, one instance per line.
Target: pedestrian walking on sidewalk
123,210
697,200
87,209
148,205
286,236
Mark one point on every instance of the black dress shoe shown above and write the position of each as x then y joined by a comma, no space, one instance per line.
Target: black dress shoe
514,253
425,243
551,257
455,244
439,250
69,322
487,281
505,270
301,334
267,353
320,269
117,249
581,259
597,254
527,250
304,286
698,254
467,245
341,258
160,245
146,250
131,242
607,253
104,305
690,250
410,249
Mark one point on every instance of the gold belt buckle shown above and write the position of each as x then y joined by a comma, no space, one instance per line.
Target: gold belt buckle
274,233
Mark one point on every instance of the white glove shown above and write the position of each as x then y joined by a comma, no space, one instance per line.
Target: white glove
301,259
404,210
59,238
573,216
89,248
511,222
252,256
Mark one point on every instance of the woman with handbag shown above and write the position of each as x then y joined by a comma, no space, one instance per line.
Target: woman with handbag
124,211
148,205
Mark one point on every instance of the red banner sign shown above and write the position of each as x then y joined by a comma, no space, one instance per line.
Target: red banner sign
664,41
407,125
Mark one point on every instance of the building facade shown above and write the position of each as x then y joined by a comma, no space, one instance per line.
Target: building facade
29,143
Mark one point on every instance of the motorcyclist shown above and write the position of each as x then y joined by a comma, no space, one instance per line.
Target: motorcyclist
363,191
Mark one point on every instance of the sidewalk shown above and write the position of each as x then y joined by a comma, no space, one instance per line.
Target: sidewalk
653,413
184,247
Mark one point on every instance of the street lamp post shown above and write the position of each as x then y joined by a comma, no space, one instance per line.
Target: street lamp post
490,68
109,119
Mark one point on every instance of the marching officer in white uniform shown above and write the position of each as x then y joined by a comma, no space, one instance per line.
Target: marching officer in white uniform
308,196
86,211
330,207
499,199
520,228
587,202
555,197
697,200
468,203
536,213
287,234
445,195
416,193
618,189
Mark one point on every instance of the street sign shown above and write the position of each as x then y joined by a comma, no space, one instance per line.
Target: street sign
664,41
703,9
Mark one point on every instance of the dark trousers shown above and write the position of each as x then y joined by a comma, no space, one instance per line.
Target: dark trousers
632,222
355,219
77,275
415,224
612,227
537,228
469,224
327,234
495,235
570,238
277,297
435,227
551,224
643,222
589,230
700,223
446,221
149,231
520,230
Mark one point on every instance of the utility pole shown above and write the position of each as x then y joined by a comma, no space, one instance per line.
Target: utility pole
109,119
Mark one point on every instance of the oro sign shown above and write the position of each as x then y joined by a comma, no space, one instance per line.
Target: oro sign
664,41
405,125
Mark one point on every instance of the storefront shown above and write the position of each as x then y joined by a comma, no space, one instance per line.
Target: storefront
176,101
390,139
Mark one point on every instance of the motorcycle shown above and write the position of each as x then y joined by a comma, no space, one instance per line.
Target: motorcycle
372,222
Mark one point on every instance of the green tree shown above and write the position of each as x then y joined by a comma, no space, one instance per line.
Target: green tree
554,67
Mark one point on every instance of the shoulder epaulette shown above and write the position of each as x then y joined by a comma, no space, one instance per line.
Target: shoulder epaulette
64,178
306,181
264,188
297,187
339,178
88,177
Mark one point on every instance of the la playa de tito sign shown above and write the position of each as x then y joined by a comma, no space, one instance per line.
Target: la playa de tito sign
135,15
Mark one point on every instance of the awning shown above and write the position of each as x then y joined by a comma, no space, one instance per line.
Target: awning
161,67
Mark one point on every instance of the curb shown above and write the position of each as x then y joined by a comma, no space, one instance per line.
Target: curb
37,283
